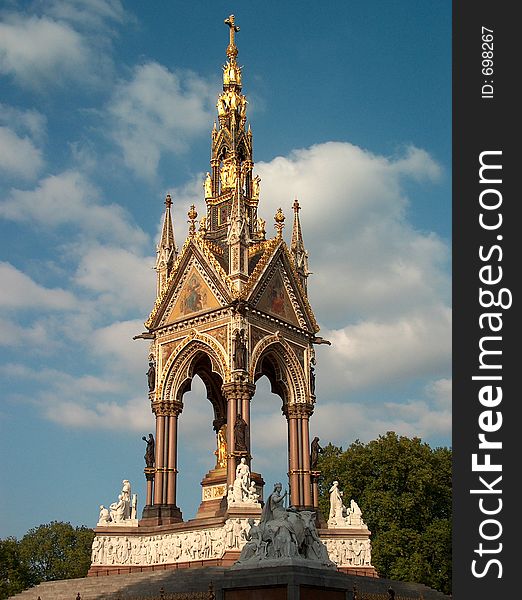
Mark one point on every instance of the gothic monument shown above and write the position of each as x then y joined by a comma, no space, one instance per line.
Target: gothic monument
231,306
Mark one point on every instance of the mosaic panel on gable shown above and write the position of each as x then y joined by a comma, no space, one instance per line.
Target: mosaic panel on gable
275,300
195,296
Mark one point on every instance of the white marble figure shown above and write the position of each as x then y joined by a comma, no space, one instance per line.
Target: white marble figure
340,516
253,496
123,512
126,496
337,507
117,510
285,534
238,534
104,518
242,491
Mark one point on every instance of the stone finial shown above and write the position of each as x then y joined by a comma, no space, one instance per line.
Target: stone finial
279,219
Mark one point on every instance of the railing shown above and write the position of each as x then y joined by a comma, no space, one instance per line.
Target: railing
163,595
390,595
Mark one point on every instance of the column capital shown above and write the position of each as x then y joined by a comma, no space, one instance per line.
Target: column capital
297,410
238,389
167,408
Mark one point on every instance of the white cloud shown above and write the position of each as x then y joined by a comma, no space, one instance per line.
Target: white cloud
94,14
14,335
121,279
134,415
158,111
18,291
370,354
18,155
24,121
121,353
38,50
70,199
342,422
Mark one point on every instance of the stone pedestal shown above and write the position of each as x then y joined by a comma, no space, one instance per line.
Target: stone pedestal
160,515
214,495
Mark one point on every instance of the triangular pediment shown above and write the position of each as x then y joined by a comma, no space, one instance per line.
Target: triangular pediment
194,296
275,289
276,301
197,285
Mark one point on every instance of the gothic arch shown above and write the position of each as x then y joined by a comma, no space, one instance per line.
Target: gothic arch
202,356
274,358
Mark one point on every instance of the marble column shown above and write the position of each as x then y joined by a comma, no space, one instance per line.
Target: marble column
298,454
307,482
231,419
238,395
293,458
172,452
160,459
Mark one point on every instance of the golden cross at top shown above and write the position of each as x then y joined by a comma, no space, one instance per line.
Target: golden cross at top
233,28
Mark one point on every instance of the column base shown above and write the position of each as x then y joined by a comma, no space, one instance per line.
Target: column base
160,514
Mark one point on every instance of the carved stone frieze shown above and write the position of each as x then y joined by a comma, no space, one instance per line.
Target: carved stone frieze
169,548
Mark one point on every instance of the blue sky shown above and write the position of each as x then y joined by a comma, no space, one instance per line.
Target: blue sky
105,107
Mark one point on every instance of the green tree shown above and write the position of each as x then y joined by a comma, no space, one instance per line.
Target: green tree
403,487
14,571
57,551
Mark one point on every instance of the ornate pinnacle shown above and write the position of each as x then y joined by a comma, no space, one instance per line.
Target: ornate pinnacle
192,215
279,219
232,50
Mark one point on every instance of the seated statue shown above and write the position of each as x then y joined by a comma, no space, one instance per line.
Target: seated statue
284,534
117,510
104,518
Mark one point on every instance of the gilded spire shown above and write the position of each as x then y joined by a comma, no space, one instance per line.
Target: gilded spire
166,251
297,248
231,192
232,50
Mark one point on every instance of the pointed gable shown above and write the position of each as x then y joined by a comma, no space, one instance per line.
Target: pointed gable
274,288
194,296
198,284
276,301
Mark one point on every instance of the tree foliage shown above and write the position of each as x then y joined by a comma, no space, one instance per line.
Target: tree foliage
49,552
14,572
403,487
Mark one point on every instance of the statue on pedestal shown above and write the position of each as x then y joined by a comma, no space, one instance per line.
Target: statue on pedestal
150,451
284,534
315,450
240,434
123,511
151,375
221,451
340,516
242,491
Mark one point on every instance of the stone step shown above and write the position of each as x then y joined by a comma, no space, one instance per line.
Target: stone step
148,584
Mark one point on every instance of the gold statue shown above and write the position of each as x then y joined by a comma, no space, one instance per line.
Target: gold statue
221,451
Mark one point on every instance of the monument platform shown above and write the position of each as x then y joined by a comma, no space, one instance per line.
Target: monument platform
270,583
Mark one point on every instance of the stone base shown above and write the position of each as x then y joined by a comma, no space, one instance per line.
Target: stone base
215,541
273,583
214,493
163,514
